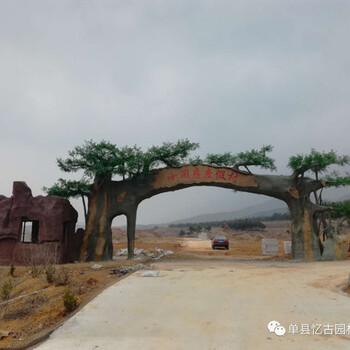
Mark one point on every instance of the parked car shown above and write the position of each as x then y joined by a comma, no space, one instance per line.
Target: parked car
220,242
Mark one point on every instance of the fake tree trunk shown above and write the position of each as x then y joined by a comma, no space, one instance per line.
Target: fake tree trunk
107,200
112,198
307,219
97,242
306,244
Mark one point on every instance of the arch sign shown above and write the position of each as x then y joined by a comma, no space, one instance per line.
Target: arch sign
202,174
112,198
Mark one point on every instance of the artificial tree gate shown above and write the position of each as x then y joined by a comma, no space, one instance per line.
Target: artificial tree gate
112,198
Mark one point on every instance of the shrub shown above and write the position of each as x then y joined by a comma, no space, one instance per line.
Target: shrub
182,233
70,301
246,224
35,270
50,272
62,277
12,270
6,288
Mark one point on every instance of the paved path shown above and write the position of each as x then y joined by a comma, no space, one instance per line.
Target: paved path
213,305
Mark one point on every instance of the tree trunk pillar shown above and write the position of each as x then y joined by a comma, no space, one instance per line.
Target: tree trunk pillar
306,244
97,242
131,229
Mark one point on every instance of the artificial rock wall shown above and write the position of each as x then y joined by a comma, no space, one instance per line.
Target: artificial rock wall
50,231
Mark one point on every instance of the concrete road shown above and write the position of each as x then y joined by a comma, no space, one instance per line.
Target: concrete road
211,304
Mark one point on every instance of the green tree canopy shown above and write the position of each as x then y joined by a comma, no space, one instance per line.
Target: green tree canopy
248,158
99,159
104,158
316,162
337,181
69,189
340,209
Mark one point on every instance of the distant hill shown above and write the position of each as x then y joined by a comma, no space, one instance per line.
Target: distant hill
267,208
264,209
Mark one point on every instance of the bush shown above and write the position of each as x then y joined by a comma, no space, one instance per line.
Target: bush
62,276
247,224
50,272
57,274
35,270
70,301
12,270
6,288
191,229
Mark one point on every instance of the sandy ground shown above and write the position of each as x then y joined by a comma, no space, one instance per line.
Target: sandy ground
31,318
243,244
213,304
241,247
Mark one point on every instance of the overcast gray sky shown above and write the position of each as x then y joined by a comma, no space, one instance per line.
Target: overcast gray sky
231,75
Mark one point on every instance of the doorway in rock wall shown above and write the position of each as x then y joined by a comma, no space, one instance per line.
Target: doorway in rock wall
29,231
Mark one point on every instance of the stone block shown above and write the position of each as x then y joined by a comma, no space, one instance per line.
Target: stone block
287,247
269,246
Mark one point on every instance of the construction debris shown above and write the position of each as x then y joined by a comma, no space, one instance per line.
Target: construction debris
149,274
143,253
123,270
97,266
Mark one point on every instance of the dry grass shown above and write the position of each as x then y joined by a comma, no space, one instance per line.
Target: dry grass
34,316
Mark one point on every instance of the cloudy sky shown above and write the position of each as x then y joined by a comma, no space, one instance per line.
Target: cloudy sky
231,75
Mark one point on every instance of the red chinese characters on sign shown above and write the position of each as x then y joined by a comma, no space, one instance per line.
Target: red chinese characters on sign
172,176
233,177
185,174
208,174
196,173
220,175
